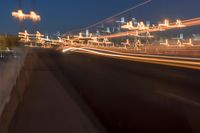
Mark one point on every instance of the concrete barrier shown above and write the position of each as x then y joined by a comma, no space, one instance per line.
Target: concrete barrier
9,71
10,93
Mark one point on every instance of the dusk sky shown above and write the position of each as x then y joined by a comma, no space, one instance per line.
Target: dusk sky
65,15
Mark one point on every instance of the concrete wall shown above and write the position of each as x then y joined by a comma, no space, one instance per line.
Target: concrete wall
9,71
15,95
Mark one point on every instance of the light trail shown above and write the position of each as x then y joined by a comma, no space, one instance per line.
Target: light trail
193,19
181,98
145,55
153,59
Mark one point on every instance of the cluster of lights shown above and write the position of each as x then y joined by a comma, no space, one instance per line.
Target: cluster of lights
140,26
22,16
166,23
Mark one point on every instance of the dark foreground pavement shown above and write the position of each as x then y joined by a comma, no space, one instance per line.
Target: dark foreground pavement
125,97
47,106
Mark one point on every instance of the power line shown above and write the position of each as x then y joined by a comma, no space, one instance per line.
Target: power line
116,15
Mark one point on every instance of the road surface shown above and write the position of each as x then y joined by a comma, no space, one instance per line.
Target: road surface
77,92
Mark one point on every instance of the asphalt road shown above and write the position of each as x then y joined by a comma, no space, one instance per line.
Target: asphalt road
120,96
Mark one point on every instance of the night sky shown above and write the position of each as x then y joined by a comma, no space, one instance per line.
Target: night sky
65,15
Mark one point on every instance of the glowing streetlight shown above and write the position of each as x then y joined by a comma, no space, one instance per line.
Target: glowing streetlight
22,16
165,24
19,15
34,17
179,23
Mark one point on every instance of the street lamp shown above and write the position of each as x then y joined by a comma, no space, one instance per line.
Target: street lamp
19,15
22,16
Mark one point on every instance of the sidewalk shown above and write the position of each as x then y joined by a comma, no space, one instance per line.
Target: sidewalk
9,72
48,108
